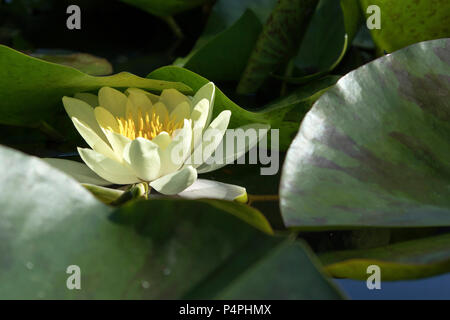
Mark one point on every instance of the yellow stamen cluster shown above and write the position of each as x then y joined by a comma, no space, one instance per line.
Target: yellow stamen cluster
148,125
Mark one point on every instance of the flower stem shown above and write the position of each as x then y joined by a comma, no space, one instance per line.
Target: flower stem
260,198
50,131
288,72
136,191
174,27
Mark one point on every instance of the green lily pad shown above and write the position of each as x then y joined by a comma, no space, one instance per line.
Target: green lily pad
276,262
164,8
374,150
409,21
400,261
262,190
278,114
31,89
152,249
84,62
333,27
277,43
301,99
233,27
207,57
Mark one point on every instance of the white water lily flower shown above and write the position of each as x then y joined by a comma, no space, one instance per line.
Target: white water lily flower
139,136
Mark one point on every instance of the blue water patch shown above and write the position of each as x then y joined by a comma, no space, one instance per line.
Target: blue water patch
435,288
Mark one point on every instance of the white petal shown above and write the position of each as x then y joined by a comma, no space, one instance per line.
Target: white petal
93,140
211,139
139,98
79,109
161,110
144,159
172,98
107,168
105,119
208,92
174,155
136,113
118,142
163,139
153,97
79,171
235,150
113,100
89,98
175,182
110,128
199,116
182,111
210,189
